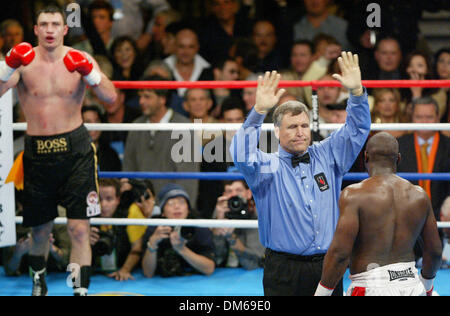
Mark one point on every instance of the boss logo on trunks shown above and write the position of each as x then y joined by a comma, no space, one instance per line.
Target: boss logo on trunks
322,181
403,274
52,146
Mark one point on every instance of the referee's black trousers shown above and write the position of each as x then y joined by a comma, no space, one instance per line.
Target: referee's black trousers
293,275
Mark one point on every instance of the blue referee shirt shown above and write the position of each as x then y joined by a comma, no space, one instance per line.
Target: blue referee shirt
298,208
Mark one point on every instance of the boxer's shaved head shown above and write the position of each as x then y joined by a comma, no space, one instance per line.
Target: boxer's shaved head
383,147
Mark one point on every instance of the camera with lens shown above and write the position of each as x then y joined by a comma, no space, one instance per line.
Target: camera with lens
185,232
238,208
139,189
105,244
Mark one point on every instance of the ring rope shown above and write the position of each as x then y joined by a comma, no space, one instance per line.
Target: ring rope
179,127
282,84
237,176
205,223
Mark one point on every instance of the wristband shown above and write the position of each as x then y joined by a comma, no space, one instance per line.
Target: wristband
5,71
94,78
151,249
323,290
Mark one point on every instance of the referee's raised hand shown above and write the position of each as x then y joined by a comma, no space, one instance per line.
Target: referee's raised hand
266,93
351,73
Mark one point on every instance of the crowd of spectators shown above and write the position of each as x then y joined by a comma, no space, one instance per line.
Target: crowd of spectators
222,40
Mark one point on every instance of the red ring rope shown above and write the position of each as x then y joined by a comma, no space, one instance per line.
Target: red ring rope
284,84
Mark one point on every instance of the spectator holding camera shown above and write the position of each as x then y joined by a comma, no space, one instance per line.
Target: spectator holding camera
237,247
137,201
110,245
177,251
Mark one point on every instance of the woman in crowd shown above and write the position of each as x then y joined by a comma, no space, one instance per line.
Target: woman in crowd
387,108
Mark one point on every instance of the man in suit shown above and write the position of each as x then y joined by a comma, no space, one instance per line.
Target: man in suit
151,151
427,152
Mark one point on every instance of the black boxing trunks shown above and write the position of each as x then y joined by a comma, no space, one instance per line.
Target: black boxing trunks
60,170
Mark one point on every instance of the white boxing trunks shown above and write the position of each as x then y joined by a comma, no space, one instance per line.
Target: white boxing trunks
400,279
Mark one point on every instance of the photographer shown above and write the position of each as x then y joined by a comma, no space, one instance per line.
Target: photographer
110,245
139,199
179,250
237,247
115,247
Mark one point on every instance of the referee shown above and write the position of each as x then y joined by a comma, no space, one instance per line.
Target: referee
297,189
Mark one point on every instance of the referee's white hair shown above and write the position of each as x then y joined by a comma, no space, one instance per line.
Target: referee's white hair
290,107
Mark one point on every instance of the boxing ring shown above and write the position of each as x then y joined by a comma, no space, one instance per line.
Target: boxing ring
224,282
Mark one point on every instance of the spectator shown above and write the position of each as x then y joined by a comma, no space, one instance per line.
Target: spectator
387,109
127,65
418,67
427,152
326,96
158,68
319,20
168,41
270,56
310,61
108,160
442,69
398,18
140,202
218,159
249,94
246,54
237,247
100,14
338,112
442,63
225,70
131,21
152,151
187,65
177,251
110,245
388,57
198,103
362,38
151,40
229,20
118,113
12,34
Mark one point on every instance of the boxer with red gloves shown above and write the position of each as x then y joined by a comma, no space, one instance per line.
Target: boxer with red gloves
59,161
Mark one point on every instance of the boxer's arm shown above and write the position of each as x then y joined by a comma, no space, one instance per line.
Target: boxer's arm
432,249
106,90
11,83
338,255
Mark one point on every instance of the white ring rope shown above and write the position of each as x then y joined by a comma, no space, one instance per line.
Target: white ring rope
177,127
209,223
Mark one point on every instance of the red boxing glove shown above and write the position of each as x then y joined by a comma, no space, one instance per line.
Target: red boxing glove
20,55
77,61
